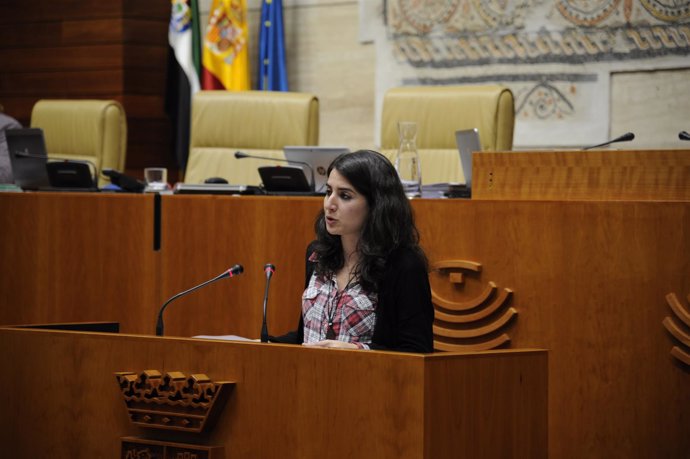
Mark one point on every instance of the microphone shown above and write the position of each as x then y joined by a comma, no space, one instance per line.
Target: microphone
683,135
234,271
242,155
269,269
627,137
125,182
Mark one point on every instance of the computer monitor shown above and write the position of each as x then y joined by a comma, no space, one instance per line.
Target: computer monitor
27,150
284,180
319,158
467,141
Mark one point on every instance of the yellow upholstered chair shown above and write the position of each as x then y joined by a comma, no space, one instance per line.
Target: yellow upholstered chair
255,122
91,130
440,111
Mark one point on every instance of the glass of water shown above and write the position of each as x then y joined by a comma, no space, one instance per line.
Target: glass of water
407,161
156,179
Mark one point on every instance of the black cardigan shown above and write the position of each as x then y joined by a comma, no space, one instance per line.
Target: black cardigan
404,313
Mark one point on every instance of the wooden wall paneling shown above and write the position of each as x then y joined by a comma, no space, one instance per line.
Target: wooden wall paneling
145,156
148,153
82,84
142,80
147,10
119,29
202,236
144,85
63,58
589,282
154,130
148,142
152,59
21,35
150,31
148,135
89,49
281,406
78,257
93,31
19,107
48,11
138,105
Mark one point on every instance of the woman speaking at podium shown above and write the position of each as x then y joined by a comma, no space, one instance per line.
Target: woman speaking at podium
367,283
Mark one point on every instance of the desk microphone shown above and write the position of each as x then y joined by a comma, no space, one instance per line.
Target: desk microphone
627,137
241,155
126,182
234,271
683,135
269,269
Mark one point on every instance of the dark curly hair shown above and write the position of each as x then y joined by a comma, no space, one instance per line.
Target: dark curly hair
388,226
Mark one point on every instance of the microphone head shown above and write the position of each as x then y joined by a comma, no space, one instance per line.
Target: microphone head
628,136
240,155
683,135
268,267
235,270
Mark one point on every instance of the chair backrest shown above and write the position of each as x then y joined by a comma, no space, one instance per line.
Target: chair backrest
255,122
92,130
440,111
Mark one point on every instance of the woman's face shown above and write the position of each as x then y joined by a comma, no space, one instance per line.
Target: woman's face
346,209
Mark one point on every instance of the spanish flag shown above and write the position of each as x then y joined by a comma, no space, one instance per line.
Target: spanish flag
225,53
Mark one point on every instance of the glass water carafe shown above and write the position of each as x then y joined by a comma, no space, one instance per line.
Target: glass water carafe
407,161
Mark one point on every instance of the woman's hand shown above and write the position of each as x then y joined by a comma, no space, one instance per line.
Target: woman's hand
332,343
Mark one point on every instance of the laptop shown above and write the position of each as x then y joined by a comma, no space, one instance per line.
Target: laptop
285,180
467,141
28,157
32,169
319,158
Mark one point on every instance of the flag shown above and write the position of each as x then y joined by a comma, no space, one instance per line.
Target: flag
272,68
183,73
224,56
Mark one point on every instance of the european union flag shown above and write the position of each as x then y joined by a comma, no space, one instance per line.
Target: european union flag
272,68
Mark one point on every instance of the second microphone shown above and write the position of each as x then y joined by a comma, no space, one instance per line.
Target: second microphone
269,269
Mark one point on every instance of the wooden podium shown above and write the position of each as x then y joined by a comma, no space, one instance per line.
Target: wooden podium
62,399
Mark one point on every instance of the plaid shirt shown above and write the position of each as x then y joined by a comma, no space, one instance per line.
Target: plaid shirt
352,309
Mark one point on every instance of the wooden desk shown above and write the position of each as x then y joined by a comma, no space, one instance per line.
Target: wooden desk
201,235
70,257
288,401
582,175
589,281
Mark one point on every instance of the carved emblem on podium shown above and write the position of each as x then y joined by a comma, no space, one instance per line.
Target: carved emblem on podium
174,402
679,328
475,324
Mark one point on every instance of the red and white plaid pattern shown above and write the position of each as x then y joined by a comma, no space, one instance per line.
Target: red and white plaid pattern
354,317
